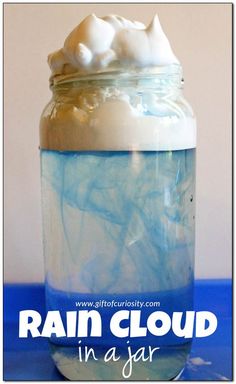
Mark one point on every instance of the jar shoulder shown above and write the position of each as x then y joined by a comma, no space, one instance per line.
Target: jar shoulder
87,102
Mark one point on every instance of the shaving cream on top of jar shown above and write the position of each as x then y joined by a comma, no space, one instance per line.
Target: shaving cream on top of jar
112,41
121,51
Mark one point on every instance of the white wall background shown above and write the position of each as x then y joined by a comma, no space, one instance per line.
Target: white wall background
200,35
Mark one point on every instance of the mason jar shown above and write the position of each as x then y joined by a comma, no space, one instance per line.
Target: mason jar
118,196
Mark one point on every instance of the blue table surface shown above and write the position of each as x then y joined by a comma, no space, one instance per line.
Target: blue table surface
29,359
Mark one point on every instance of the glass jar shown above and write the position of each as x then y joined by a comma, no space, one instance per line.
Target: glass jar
118,196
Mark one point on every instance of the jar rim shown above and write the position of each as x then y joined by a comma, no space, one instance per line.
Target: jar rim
120,74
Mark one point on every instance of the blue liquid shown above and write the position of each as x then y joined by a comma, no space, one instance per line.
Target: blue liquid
119,225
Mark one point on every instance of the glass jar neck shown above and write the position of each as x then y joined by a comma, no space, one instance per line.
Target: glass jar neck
159,79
